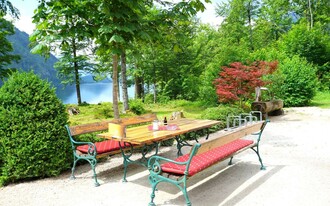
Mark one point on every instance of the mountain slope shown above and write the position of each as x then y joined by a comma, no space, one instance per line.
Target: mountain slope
41,66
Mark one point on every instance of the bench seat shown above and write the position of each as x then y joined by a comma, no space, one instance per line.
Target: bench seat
90,151
101,147
225,144
201,161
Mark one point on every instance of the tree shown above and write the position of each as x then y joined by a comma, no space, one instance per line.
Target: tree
6,57
115,24
60,29
6,28
305,43
313,11
6,7
238,82
122,21
118,22
124,80
275,19
239,17
312,45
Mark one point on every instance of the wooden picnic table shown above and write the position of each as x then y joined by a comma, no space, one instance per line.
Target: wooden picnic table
143,136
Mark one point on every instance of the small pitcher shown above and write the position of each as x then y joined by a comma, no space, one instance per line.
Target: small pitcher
155,126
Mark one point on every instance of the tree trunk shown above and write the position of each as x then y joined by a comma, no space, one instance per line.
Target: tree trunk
76,72
124,81
155,92
138,86
115,86
249,11
311,13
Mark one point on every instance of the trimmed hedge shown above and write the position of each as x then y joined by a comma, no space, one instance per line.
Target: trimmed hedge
33,140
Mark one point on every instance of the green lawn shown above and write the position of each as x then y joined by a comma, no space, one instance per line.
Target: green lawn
322,99
100,112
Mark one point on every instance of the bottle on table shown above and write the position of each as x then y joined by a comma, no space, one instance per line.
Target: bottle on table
165,121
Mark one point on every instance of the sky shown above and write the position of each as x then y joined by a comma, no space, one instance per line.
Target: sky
27,7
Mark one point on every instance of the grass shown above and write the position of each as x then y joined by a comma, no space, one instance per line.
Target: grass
100,112
322,99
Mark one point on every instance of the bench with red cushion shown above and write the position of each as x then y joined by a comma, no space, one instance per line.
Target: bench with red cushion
202,161
106,146
225,145
90,151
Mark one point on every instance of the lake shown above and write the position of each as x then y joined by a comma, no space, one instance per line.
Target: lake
92,93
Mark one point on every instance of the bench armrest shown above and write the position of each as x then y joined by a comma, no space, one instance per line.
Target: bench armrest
261,130
154,165
91,146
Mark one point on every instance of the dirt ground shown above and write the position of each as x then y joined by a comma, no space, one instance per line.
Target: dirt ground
295,149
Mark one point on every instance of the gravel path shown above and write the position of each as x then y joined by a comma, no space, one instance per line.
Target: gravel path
295,149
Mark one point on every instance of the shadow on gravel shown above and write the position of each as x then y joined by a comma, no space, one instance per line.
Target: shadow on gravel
218,185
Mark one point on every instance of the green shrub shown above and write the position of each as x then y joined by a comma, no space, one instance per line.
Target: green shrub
163,99
104,110
221,113
149,98
33,140
300,82
136,106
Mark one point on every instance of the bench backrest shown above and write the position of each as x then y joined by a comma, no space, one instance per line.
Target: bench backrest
225,137
101,126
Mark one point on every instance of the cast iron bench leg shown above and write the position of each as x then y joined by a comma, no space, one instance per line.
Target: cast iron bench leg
260,160
231,161
93,163
73,169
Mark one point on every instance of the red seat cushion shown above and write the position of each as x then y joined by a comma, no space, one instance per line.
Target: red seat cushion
102,147
206,159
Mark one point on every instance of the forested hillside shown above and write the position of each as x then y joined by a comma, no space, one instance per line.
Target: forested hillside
41,66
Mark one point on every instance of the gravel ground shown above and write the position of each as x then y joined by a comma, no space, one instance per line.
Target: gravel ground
295,149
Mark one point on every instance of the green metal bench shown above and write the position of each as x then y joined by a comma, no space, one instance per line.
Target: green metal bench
203,155
91,151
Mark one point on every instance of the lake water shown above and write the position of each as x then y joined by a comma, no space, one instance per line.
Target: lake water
92,93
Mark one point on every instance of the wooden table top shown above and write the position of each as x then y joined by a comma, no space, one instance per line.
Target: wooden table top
143,134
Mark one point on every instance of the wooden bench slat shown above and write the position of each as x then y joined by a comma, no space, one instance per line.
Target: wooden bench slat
225,137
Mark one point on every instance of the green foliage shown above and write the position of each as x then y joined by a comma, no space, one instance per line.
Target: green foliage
163,99
238,82
322,99
149,98
299,82
6,7
104,110
221,113
324,76
312,45
33,140
136,106
6,56
72,39
307,43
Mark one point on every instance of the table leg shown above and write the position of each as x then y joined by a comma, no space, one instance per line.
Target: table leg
127,154
181,142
